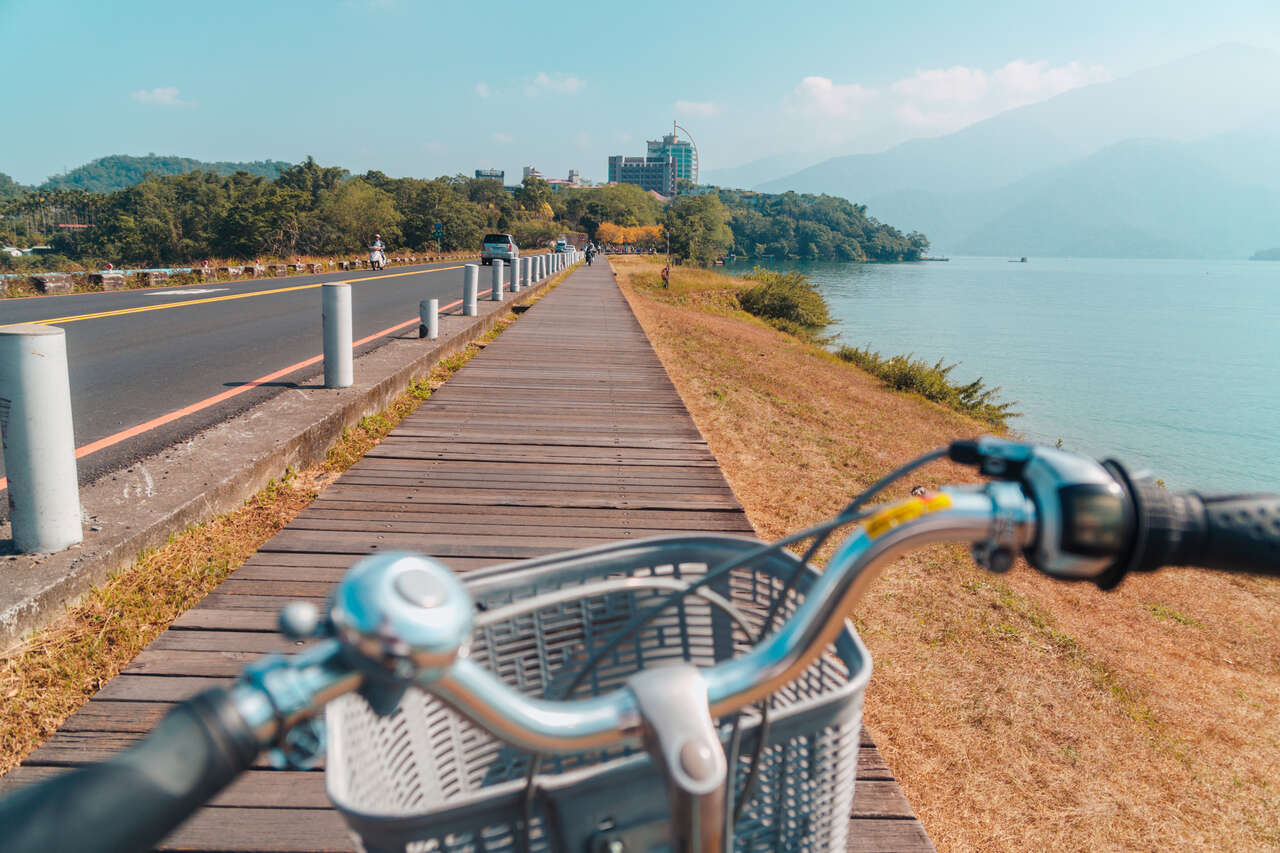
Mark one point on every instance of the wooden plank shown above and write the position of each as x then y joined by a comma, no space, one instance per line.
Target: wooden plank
880,798
210,618
107,716
521,516
201,663
550,498
887,836
470,526
871,765
147,688
250,642
261,829
276,789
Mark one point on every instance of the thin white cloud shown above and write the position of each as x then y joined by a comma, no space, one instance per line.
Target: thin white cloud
482,89
582,139
823,97
164,96
503,138
950,98
697,109
555,82
931,101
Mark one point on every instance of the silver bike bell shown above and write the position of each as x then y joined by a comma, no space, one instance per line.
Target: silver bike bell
403,612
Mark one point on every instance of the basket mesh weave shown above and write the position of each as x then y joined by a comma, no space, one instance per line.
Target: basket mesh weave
412,773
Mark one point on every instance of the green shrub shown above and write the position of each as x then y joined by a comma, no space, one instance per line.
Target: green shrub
787,300
931,381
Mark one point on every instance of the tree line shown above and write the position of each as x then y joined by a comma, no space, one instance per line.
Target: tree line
310,209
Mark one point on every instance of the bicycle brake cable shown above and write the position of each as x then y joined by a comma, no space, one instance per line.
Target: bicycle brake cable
639,621
848,514
821,533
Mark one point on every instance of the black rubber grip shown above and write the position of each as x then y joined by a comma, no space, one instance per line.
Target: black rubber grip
134,800
1242,534
1233,533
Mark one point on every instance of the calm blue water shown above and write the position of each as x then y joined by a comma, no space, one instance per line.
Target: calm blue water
1169,365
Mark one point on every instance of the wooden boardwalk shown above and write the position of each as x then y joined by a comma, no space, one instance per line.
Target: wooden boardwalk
566,431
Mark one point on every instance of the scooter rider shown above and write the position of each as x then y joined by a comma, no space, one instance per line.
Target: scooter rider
377,253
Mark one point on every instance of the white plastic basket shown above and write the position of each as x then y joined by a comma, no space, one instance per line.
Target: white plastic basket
425,779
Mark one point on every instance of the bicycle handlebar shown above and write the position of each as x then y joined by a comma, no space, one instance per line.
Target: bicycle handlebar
401,619
1233,533
136,798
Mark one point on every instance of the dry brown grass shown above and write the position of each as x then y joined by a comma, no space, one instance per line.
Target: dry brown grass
1017,713
53,672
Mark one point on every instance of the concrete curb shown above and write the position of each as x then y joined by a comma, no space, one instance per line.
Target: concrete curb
142,506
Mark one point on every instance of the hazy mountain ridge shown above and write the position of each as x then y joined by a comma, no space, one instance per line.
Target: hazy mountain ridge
1035,171
118,171
758,171
1137,199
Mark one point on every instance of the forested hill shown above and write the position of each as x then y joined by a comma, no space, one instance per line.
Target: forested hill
9,188
816,227
119,171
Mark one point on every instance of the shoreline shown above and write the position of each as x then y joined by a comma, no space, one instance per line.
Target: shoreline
1170,680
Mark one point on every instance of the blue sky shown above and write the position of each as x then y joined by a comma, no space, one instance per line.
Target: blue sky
429,88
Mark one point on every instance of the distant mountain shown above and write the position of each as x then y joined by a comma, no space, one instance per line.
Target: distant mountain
1250,154
1212,92
107,174
1218,107
758,171
1137,199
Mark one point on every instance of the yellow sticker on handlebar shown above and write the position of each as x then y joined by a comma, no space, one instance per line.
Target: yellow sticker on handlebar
890,517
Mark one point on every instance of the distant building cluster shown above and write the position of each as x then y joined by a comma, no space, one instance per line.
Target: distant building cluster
572,181
651,173
679,150
666,162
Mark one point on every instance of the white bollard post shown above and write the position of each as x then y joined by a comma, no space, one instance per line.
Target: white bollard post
517,269
335,308
429,318
495,294
39,443
470,289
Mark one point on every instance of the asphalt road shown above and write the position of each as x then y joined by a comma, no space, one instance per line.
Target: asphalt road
188,344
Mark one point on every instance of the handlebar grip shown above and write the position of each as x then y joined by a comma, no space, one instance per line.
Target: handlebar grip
1242,534
133,800
1233,533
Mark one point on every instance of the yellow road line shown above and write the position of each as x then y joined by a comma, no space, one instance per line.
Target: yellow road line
138,310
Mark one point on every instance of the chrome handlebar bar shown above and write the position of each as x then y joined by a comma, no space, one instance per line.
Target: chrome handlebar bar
400,620
403,619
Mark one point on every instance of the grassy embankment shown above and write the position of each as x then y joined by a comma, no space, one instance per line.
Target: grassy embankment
1018,713
57,669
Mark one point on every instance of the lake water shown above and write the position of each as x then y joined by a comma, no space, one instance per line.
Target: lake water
1168,365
